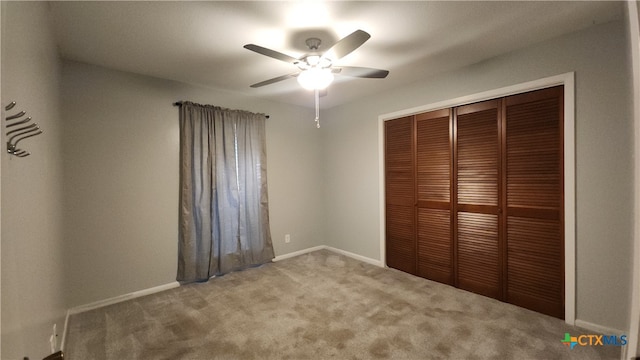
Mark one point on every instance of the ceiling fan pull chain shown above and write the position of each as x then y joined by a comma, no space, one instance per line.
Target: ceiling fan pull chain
317,95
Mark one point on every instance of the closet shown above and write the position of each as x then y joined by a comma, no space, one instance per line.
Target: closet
474,198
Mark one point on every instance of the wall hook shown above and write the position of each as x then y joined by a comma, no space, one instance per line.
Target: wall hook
20,114
19,133
19,122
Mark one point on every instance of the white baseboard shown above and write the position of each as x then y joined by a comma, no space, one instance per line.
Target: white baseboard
356,256
121,298
332,249
298,253
598,328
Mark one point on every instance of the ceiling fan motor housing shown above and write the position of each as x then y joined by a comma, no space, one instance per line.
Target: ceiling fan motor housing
313,43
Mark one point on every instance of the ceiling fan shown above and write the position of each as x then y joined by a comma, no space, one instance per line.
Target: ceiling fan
316,69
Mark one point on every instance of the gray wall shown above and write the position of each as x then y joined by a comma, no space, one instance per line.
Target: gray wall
603,144
32,258
121,140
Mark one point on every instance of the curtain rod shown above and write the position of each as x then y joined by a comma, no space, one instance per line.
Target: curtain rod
179,103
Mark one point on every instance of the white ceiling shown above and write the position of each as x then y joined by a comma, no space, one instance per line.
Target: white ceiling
202,42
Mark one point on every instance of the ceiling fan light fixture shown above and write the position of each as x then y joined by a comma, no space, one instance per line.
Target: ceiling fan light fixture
313,60
315,78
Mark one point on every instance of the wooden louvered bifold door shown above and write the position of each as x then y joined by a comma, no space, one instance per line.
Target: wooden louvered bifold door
400,195
534,201
477,190
434,161
474,198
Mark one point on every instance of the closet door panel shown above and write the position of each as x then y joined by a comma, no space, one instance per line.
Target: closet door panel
399,165
400,238
534,201
433,172
400,226
477,145
477,189
434,245
534,260
433,156
533,152
478,262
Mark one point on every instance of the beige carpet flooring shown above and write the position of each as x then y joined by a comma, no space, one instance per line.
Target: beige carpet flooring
320,306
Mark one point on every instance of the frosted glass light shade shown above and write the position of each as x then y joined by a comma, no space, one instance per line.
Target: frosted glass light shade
315,78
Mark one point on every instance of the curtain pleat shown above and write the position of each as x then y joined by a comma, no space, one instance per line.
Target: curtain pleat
224,217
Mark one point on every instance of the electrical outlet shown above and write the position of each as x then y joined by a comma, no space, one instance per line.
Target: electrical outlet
287,238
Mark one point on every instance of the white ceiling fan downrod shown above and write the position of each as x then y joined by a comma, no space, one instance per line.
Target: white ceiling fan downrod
317,96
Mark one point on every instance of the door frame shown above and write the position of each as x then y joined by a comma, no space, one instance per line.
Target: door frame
568,81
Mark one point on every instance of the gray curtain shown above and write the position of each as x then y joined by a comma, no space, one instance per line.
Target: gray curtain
224,217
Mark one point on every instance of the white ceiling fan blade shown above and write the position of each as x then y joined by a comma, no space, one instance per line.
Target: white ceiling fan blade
274,80
271,53
346,45
361,72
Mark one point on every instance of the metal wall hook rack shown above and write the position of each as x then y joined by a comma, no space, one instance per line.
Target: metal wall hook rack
19,133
